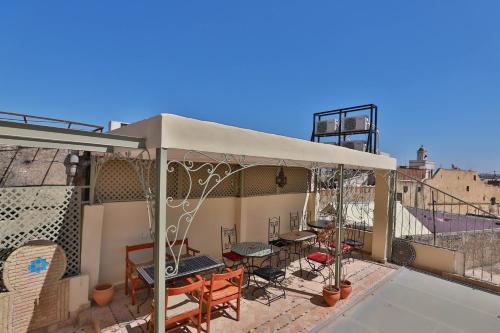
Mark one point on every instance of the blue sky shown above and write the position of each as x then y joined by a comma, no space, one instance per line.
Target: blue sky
432,67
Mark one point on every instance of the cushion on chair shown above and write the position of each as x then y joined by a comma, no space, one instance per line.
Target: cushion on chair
321,257
354,243
221,289
345,247
232,256
179,304
269,273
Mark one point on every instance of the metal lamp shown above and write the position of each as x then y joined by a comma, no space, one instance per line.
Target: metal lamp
281,178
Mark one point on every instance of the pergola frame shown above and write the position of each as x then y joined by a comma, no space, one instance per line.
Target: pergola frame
168,137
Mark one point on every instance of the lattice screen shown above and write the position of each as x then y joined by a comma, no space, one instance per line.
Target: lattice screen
260,181
297,180
119,181
48,212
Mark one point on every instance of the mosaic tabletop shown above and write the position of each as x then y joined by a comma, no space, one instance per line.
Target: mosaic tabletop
297,236
252,249
187,267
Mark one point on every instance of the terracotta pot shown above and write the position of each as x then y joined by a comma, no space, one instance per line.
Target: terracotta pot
103,294
345,289
331,295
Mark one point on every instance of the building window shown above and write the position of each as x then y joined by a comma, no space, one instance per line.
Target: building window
399,196
493,201
405,189
474,177
467,188
419,188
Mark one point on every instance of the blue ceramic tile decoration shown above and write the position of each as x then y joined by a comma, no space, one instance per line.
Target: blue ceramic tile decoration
38,265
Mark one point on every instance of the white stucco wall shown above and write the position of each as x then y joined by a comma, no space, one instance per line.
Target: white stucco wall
125,223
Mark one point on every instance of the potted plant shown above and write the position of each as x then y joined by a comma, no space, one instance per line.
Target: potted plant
345,285
331,294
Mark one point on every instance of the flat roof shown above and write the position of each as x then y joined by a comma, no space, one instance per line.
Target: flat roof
180,135
410,301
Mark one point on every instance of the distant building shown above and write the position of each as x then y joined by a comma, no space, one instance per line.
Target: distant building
466,185
422,163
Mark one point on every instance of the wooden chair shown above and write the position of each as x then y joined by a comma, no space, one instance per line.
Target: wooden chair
220,290
229,237
182,306
131,277
188,251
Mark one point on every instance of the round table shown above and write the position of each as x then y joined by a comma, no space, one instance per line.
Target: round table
298,236
251,250
319,224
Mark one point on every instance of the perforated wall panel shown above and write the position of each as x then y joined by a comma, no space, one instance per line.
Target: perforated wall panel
48,212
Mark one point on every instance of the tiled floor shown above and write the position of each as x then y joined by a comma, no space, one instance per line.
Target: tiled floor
302,309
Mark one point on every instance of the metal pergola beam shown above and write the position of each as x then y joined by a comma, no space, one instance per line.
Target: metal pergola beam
38,136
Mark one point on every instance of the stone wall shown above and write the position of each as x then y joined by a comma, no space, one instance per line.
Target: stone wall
21,166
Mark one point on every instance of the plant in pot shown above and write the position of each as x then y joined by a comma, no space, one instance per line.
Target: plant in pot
345,285
331,294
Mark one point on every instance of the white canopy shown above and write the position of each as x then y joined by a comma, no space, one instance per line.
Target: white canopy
180,134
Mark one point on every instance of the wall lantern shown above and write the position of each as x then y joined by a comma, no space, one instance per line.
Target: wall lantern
73,161
281,178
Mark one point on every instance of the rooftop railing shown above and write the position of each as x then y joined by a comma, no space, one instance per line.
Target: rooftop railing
428,215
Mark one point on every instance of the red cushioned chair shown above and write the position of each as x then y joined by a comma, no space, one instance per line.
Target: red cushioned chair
229,237
346,250
319,261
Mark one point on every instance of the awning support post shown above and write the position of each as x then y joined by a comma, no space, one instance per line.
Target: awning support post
160,240
338,227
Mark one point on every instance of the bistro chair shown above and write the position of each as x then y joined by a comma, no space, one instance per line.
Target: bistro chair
187,251
228,238
346,250
298,248
306,217
355,236
318,261
273,275
131,276
181,306
220,291
273,237
295,221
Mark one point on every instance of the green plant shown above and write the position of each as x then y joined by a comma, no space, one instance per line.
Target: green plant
326,237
